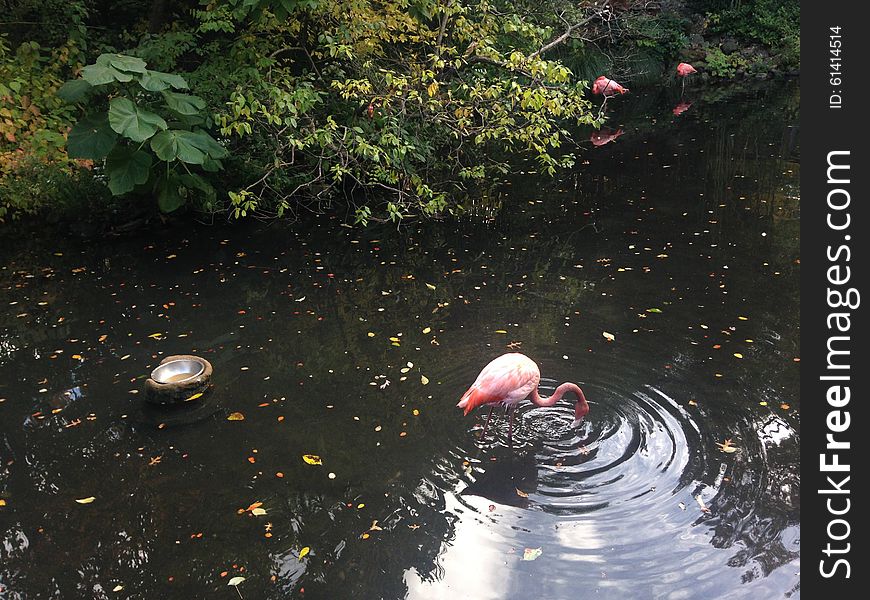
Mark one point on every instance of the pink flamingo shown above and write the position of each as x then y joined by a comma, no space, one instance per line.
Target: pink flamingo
509,379
683,71
607,87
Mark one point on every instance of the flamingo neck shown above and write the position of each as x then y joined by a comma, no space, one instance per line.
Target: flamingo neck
580,409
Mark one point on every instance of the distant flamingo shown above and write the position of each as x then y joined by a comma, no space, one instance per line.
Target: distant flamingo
509,379
683,71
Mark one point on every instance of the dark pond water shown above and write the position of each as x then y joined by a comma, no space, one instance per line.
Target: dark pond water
679,239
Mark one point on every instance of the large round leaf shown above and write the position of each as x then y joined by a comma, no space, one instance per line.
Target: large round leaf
169,195
178,144
122,62
103,74
91,138
209,145
127,168
184,104
74,90
132,121
155,81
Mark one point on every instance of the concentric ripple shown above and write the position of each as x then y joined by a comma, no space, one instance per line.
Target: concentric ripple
632,446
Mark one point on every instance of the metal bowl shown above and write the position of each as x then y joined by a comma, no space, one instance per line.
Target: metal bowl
177,371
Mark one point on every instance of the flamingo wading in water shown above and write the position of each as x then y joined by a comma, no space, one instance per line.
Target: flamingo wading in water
683,71
509,379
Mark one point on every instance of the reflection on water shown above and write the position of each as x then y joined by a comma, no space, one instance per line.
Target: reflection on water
679,239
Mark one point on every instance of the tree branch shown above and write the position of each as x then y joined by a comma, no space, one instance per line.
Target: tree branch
560,39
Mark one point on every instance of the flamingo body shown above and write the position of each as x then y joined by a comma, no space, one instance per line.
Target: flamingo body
685,69
509,379
607,87
505,380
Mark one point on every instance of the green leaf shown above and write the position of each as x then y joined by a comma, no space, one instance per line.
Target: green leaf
155,81
127,168
133,122
169,197
178,144
103,74
184,104
212,165
122,62
209,145
91,138
74,90
197,182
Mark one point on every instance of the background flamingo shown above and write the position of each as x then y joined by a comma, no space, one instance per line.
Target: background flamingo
509,379
683,71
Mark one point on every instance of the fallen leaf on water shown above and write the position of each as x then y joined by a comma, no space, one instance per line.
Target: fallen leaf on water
304,552
654,310
375,526
87,500
784,406
608,336
424,380
531,553
427,329
156,336
312,459
430,286
738,355
258,511
236,416
194,397
235,581
500,331
2,502
103,338
521,493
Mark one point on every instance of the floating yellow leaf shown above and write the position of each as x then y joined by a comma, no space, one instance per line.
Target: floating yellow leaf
197,395
521,493
430,286
258,511
304,552
2,502
156,336
727,447
427,329
103,338
312,459
500,331
738,355
608,336
424,380
235,581
371,334
117,588
236,416
87,500
531,553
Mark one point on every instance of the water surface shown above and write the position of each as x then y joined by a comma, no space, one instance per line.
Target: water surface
661,275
